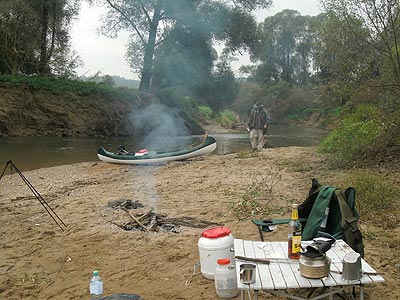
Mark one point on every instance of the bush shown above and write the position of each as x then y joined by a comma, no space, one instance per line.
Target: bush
357,135
206,112
257,198
227,119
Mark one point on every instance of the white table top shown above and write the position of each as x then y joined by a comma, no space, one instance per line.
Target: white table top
284,273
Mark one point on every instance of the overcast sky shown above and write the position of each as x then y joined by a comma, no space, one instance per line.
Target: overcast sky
107,55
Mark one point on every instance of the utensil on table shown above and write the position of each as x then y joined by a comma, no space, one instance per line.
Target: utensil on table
247,273
352,269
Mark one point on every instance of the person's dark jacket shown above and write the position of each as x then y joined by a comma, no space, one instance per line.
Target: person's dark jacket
257,118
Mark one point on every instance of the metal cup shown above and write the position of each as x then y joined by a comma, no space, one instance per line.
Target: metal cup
352,269
247,273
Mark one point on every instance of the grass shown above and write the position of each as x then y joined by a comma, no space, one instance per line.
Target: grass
58,85
377,198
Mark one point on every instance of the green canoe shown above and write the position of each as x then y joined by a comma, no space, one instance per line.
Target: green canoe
153,157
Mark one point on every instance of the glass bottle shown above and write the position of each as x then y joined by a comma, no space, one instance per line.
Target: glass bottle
225,279
96,286
294,235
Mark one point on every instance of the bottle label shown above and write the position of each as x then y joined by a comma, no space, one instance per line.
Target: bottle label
296,242
96,288
295,214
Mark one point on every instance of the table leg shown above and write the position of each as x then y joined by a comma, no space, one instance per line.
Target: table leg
241,294
361,292
331,293
255,294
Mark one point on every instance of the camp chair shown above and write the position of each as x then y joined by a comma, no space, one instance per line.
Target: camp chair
342,217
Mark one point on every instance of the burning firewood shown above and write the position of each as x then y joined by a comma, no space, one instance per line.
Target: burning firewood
135,219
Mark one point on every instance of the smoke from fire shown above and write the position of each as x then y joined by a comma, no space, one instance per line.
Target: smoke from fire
163,130
161,126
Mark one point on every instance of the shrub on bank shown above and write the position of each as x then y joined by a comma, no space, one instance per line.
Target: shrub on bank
357,135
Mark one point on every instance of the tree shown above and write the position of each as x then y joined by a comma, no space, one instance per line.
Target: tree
248,94
367,51
151,21
54,17
222,88
284,48
35,35
184,60
17,27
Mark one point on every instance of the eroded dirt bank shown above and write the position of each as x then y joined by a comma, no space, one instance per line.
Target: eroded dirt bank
39,261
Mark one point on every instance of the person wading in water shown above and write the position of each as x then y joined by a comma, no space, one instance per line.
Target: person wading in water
257,126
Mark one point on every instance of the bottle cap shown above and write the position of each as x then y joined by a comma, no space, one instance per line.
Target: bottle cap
294,205
223,261
95,273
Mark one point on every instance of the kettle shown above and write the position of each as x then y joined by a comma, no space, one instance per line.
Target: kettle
314,263
314,267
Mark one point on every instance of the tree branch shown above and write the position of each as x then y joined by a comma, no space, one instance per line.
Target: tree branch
126,17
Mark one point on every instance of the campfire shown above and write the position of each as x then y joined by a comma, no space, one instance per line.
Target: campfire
148,220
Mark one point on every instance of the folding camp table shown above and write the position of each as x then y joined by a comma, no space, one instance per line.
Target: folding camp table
282,275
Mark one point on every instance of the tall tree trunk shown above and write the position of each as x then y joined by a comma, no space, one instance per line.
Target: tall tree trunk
149,51
43,63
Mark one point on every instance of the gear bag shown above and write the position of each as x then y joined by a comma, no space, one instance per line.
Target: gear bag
342,222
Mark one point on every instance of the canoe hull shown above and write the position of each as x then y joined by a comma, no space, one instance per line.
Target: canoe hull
204,149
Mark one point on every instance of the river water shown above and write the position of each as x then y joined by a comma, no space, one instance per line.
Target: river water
29,153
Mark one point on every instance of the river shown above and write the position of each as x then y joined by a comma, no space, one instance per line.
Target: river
29,153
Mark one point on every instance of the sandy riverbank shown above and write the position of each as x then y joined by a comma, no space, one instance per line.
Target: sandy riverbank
39,261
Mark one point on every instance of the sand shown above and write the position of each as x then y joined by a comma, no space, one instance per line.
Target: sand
40,261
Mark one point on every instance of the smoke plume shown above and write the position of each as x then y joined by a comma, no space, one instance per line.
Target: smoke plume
161,126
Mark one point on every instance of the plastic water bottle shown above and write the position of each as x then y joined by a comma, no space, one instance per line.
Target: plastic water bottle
225,279
96,286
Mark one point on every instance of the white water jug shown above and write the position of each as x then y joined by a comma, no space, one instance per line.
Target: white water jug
215,243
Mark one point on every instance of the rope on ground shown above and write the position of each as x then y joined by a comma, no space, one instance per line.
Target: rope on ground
195,267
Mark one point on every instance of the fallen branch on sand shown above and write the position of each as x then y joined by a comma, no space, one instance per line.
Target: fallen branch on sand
135,219
150,221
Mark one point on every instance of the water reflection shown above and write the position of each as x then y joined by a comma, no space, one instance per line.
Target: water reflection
38,152
277,136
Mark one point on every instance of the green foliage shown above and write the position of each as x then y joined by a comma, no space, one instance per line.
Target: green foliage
173,97
227,119
284,48
361,55
257,196
179,35
356,136
221,89
170,96
35,36
206,112
246,209
290,102
249,93
62,85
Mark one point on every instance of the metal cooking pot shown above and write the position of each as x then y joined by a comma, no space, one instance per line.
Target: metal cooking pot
314,267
